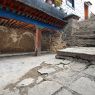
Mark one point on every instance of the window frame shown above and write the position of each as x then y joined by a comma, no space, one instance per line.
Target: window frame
73,4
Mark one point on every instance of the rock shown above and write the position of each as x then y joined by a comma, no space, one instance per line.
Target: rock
84,86
39,79
25,82
46,70
45,88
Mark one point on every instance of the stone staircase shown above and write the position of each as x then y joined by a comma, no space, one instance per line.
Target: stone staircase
86,34
85,39
81,42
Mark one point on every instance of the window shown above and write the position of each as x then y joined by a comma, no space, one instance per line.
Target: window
70,3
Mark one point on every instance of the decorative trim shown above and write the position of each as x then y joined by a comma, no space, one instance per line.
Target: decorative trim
10,15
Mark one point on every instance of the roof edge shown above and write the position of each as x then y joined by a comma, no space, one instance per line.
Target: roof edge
71,16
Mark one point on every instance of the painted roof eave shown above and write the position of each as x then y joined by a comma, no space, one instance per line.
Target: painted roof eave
71,16
42,6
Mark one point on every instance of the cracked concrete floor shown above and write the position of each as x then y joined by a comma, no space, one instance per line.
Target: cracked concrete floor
45,75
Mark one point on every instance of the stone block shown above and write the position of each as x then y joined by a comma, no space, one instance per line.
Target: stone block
65,77
46,70
84,86
64,92
90,70
25,82
45,88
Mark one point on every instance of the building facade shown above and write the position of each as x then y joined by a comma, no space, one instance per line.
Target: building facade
29,26
34,25
81,8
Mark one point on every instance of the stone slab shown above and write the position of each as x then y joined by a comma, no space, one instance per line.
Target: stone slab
84,86
45,88
90,70
46,70
25,82
78,66
64,77
64,92
86,53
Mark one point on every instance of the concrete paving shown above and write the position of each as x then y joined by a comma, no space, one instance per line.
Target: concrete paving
20,76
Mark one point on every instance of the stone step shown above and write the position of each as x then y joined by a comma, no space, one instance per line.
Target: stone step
22,54
86,39
85,53
85,33
86,36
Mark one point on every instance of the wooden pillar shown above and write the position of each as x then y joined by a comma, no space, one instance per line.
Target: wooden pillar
37,42
86,11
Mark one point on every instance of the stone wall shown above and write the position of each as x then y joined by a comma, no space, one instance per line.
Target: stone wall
16,40
71,28
45,42
52,41
57,42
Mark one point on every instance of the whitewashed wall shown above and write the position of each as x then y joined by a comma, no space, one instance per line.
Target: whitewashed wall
78,10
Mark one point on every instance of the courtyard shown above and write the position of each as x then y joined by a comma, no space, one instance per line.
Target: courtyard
46,75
